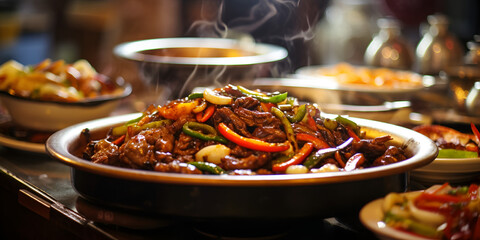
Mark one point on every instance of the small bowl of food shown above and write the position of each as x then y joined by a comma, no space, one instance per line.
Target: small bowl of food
175,65
52,95
440,212
360,85
457,161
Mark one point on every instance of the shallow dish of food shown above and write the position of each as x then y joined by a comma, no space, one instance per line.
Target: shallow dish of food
457,161
53,94
439,212
360,85
175,65
22,139
238,153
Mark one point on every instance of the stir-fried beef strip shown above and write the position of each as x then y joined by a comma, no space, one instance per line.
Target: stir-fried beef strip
253,161
105,152
137,152
392,155
187,145
226,115
169,147
270,134
246,102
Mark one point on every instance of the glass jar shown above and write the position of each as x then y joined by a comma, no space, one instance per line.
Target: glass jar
473,55
388,48
345,31
438,49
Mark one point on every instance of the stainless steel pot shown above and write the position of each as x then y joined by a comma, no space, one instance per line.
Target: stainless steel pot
175,65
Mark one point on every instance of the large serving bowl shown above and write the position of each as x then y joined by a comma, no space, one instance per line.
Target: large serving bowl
46,115
176,64
258,197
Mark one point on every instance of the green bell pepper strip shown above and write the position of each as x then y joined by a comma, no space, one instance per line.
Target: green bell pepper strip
348,123
282,159
261,97
292,101
315,158
135,120
273,99
208,167
194,129
249,92
330,124
121,130
412,225
286,125
195,95
301,111
454,153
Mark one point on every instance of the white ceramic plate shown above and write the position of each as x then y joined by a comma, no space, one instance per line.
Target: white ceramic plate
21,145
371,217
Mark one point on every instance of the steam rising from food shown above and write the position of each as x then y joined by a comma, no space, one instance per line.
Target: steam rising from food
241,28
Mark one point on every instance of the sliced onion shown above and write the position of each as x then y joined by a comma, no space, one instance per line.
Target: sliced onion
214,98
390,200
427,217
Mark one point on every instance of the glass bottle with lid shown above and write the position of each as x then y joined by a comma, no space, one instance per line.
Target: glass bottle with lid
438,49
388,48
473,55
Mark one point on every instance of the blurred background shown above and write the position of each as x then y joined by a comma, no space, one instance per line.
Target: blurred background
313,31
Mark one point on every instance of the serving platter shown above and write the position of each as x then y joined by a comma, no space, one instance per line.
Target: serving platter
281,196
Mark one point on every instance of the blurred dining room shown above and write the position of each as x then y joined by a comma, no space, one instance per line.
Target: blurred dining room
239,119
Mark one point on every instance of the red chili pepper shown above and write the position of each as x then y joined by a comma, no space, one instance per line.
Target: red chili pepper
317,142
296,159
473,191
439,198
311,122
251,143
266,107
475,131
205,115
352,134
440,188
119,140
